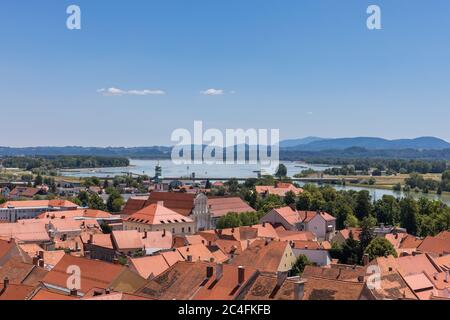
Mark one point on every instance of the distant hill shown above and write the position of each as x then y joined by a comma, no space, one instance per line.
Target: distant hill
299,142
427,143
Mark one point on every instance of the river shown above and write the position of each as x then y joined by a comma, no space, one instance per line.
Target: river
169,169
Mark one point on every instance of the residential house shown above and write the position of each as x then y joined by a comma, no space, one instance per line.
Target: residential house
322,224
267,256
24,192
152,266
314,251
343,235
13,211
280,189
179,282
93,274
157,217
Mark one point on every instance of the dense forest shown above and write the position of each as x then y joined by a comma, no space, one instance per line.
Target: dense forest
63,162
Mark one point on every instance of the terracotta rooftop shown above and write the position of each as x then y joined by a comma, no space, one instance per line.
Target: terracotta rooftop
25,231
179,282
156,214
266,231
197,252
267,287
94,274
280,190
15,291
182,203
39,204
133,205
47,295
263,256
356,232
294,217
127,240
444,235
157,239
227,286
286,235
335,272
328,289
81,213
151,266
222,206
435,245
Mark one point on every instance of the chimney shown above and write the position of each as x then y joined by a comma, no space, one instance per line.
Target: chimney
41,254
264,224
74,292
219,271
241,275
5,285
41,263
91,239
35,260
209,272
108,291
299,290
189,258
361,279
161,203
366,260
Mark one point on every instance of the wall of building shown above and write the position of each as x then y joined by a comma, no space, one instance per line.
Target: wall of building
175,228
318,257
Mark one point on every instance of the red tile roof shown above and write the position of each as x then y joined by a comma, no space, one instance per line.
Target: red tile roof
435,246
222,206
15,292
94,274
182,203
156,214
263,256
227,287
327,289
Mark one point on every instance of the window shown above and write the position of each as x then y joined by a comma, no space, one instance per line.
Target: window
182,230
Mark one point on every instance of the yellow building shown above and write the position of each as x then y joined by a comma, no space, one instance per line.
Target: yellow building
156,217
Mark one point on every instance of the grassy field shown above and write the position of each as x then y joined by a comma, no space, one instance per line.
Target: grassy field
386,182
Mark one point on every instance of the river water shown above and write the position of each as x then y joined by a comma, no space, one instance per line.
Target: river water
169,169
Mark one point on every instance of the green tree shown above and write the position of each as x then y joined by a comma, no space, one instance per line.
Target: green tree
281,171
351,251
96,202
115,202
299,265
408,215
38,181
380,247
363,204
304,201
289,198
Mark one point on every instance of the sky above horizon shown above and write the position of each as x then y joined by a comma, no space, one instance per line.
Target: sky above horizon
138,70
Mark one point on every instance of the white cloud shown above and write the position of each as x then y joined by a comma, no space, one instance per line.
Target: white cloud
120,92
212,92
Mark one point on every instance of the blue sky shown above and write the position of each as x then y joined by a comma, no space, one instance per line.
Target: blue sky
306,67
